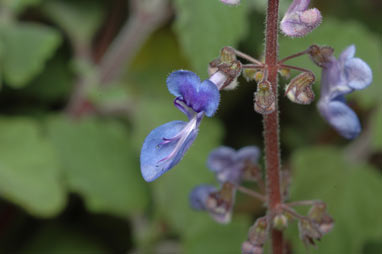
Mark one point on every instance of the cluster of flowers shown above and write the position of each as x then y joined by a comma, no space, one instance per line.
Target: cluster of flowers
166,145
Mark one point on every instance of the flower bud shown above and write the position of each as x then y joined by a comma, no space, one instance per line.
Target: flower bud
249,74
258,232
248,248
284,72
219,204
265,101
299,90
320,55
280,222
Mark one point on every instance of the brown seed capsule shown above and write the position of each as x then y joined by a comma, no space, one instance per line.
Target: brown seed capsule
299,90
320,55
264,98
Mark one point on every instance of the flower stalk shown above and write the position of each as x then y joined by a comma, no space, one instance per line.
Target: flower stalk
271,123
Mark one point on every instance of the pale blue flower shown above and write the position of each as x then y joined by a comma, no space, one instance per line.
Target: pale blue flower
340,77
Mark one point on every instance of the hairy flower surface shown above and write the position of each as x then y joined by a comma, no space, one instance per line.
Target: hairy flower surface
166,145
340,77
299,20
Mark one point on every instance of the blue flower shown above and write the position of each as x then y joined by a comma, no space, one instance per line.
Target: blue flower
340,77
229,167
166,145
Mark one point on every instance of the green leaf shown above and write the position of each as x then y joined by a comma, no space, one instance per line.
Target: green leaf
29,170
376,127
340,35
99,164
351,192
26,48
204,27
79,19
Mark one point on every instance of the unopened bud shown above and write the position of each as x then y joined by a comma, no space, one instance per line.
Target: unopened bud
285,72
259,76
227,55
249,74
265,101
219,204
280,222
248,248
320,55
258,232
299,90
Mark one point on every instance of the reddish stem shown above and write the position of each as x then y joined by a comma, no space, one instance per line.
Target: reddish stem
271,123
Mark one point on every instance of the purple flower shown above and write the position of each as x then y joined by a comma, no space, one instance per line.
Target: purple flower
230,165
299,20
340,77
166,145
218,203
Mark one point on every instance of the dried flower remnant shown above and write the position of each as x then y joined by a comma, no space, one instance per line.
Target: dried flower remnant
299,90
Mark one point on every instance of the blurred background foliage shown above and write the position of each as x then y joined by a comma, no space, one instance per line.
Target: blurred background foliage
83,83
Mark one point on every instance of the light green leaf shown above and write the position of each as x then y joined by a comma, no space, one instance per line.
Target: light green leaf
29,170
351,192
80,19
99,164
204,27
26,48
340,35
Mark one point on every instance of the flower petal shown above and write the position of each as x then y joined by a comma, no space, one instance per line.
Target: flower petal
230,2
358,73
347,54
300,23
248,154
199,196
207,98
203,96
340,117
182,80
160,153
221,158
298,5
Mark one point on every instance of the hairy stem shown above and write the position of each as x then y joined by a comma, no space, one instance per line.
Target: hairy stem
271,124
